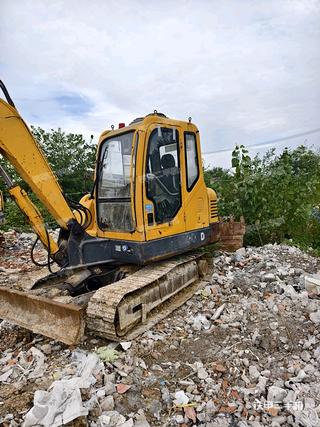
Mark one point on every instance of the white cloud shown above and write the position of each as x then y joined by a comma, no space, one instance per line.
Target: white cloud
245,71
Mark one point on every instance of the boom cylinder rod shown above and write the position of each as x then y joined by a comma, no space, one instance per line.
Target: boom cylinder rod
8,181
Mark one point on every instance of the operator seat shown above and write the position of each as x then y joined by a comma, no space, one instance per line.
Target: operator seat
170,173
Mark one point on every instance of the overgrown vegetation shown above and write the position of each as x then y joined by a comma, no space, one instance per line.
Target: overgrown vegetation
278,195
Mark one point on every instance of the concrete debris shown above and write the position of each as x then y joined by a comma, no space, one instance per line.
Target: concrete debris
270,277
254,372
218,312
200,322
27,364
202,374
315,317
112,419
140,419
125,345
312,284
245,351
107,404
307,418
276,394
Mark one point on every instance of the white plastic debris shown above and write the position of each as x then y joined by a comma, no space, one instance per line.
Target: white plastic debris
62,403
30,364
40,366
57,407
180,398
89,365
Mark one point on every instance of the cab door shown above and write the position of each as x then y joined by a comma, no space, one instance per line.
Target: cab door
163,195
195,191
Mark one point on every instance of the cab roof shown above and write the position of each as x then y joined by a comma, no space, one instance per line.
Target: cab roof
144,122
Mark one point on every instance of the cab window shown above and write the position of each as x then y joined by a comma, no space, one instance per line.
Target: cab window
191,155
114,184
163,173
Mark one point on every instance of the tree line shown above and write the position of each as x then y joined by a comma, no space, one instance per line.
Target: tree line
277,194
72,160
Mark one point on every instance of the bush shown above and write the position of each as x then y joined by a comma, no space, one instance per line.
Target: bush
278,195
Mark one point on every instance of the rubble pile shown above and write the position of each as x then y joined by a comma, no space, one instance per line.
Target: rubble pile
15,255
244,351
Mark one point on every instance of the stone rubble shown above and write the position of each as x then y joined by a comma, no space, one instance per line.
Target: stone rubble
244,351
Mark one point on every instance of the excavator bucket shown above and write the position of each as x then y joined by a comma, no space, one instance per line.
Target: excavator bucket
63,322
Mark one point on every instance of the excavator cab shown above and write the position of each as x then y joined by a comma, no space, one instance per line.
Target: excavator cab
150,200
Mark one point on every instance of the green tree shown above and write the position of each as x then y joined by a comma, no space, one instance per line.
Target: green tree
72,160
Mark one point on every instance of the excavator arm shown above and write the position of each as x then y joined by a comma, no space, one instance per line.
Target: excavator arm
20,148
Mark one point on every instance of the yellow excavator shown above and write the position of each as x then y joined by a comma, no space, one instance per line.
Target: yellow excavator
127,251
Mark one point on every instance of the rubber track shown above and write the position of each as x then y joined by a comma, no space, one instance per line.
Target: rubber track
103,305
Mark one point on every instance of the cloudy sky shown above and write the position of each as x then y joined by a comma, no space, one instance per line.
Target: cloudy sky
245,71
